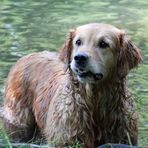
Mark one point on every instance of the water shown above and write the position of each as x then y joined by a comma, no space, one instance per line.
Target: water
33,25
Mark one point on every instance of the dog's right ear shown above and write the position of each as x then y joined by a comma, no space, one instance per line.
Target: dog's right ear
66,50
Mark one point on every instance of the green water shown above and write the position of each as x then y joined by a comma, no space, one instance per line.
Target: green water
34,25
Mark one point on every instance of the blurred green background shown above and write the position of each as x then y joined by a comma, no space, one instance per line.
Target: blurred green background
27,26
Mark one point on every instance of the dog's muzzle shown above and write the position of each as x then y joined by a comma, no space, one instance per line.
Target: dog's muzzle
81,61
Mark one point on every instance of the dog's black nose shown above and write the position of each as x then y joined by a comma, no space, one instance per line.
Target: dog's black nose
81,58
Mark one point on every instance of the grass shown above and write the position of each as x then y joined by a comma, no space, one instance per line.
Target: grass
5,143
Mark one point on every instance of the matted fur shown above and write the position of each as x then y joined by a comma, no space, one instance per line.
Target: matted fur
42,90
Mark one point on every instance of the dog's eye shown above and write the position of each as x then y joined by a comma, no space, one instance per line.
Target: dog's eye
78,42
103,44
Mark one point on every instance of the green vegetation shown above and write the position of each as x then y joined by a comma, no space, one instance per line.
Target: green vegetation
33,25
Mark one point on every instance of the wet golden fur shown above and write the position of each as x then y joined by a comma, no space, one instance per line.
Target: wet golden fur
43,90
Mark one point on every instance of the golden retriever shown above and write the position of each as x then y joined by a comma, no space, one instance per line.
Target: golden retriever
79,94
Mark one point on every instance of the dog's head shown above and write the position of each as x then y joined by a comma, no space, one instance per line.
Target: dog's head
95,51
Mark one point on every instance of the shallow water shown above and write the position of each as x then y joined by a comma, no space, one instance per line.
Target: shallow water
33,25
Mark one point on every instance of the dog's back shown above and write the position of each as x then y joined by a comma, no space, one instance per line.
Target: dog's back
31,78
39,92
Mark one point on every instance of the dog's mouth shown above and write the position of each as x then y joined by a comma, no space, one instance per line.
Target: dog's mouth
85,74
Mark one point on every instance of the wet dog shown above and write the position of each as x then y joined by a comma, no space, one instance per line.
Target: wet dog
79,93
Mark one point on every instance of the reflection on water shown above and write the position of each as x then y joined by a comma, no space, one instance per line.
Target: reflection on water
33,25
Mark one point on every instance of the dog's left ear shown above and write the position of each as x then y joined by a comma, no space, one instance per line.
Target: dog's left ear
129,56
66,50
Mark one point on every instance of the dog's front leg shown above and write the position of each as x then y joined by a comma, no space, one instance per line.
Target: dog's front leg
68,123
